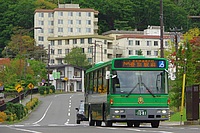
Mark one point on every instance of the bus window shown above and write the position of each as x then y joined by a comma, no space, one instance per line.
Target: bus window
95,82
150,82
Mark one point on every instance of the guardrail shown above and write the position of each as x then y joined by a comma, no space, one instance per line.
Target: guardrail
16,100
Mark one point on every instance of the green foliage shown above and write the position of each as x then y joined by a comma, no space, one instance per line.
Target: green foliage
17,109
77,57
43,90
32,103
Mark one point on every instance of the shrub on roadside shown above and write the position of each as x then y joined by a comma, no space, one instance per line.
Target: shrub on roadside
31,104
3,116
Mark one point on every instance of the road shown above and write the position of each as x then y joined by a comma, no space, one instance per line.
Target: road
56,114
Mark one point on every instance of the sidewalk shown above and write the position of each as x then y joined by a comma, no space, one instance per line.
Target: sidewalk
28,98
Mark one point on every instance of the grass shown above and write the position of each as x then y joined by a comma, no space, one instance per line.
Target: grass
177,116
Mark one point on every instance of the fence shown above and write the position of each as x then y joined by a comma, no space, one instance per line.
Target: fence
21,96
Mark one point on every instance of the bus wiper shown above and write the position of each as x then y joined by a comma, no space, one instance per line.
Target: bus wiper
148,89
132,90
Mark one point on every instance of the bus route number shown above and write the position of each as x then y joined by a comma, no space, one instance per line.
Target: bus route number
140,112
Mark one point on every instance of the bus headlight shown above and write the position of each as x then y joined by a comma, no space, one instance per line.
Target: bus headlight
164,111
119,111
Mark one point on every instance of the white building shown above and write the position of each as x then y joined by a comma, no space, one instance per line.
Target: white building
67,78
66,20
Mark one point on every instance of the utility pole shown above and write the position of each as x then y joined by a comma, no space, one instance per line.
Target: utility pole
175,30
161,30
48,62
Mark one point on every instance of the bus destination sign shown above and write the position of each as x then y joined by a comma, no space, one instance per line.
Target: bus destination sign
146,63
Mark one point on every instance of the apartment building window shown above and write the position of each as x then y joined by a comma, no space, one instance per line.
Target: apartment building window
78,30
52,51
40,38
83,50
40,31
41,22
60,21
155,53
78,22
52,43
137,43
66,51
60,62
130,42
148,43
90,60
89,40
70,13
74,41
70,29
60,29
52,61
105,51
148,52
70,21
88,14
82,40
155,43
59,51
50,30
137,52
59,42
88,22
88,30
78,14
50,23
166,43
50,15
41,14
60,13
90,49
67,42
130,52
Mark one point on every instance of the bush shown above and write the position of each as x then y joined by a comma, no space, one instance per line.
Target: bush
43,90
31,104
3,116
15,109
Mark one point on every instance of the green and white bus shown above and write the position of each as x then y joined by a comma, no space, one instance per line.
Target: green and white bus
131,90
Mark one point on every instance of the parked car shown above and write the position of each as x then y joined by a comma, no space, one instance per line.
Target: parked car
80,116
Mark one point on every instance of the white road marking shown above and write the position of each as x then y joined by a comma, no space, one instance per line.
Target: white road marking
26,130
68,114
43,115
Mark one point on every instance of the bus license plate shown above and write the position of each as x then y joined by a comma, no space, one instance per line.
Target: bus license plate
141,112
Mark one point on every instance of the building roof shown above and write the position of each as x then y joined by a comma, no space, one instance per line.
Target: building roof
142,36
80,36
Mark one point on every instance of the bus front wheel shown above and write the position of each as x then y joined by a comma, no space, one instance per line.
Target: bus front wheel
155,124
136,124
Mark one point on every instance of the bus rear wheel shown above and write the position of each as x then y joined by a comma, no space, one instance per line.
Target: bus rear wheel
98,123
108,124
155,124
91,122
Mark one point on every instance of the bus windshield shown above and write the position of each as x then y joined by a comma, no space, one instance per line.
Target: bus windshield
140,82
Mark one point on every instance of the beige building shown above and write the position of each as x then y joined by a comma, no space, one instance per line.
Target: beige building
70,26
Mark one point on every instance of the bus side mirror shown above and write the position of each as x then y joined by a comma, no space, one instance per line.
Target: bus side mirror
107,74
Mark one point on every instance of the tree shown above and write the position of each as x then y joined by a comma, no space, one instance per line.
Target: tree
188,56
77,57
23,72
